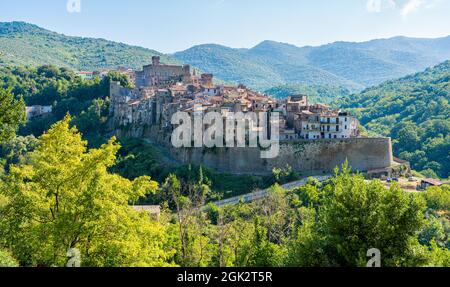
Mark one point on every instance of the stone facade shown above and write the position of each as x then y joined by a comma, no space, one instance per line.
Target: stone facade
161,75
307,157
315,138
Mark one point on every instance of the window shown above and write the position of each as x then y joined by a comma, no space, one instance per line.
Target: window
345,119
328,120
329,136
337,128
335,136
345,127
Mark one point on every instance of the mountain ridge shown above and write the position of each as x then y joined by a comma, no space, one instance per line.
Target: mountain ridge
353,65
22,43
414,111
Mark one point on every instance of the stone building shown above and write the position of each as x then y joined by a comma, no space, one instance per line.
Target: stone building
38,111
158,74
162,90
320,122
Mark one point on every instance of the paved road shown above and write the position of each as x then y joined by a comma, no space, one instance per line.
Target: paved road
258,195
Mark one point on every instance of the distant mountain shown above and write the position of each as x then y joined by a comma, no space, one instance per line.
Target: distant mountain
256,70
353,65
415,112
27,44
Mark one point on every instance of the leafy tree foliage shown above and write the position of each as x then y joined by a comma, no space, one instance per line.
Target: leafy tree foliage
12,114
66,198
61,88
436,233
6,260
415,112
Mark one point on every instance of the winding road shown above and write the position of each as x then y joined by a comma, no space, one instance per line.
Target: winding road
258,195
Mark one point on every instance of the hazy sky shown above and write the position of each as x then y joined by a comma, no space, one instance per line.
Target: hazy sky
173,25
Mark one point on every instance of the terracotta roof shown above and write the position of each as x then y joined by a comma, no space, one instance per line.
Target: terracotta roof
178,88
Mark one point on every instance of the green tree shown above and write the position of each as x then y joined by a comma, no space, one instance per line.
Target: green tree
12,114
438,198
6,260
66,198
356,216
262,252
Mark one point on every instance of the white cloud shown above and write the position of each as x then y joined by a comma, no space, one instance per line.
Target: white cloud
411,6
406,7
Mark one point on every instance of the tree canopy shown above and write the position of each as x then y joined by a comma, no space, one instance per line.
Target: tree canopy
12,114
66,198
415,112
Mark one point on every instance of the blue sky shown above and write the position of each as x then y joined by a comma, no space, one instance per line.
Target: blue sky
173,25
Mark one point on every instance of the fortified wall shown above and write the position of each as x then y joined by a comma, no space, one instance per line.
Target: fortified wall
309,157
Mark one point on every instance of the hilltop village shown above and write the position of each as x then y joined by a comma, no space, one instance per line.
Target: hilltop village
161,90
314,138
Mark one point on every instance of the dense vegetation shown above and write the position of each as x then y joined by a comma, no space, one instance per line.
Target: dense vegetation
62,196
415,112
58,192
24,44
316,94
352,65
11,116
137,158
86,100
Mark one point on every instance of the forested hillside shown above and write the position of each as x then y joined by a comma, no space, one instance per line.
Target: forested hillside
415,112
316,93
352,65
269,64
26,44
61,88
241,66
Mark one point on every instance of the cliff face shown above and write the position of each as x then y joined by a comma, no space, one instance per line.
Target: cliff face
309,157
